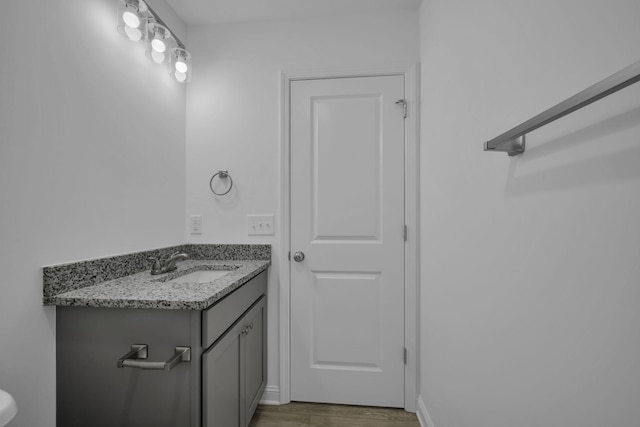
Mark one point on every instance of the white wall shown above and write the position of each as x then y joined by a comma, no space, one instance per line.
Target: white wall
530,265
233,114
91,164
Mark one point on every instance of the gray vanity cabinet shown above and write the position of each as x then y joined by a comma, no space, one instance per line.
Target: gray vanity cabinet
219,387
238,361
93,391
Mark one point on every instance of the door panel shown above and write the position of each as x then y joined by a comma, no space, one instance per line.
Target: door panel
341,340
346,138
347,216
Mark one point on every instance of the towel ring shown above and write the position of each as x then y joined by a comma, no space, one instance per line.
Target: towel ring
222,174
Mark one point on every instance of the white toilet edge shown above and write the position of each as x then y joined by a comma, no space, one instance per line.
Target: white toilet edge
8,408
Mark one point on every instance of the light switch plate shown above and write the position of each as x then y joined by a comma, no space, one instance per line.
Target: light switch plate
260,225
196,224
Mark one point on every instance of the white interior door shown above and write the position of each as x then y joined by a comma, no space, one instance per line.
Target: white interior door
347,218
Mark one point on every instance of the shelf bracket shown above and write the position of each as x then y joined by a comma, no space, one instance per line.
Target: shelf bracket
512,147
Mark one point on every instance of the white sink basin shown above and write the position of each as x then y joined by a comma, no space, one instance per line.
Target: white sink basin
8,408
200,276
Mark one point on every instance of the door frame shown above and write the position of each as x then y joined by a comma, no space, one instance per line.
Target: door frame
412,204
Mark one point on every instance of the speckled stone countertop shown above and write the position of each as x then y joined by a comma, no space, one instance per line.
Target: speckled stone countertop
124,281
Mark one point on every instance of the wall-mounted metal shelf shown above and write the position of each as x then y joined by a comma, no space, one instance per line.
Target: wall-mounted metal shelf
512,142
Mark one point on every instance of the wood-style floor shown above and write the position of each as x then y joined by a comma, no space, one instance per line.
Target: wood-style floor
298,414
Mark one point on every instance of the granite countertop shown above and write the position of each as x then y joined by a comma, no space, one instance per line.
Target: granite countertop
142,290
97,283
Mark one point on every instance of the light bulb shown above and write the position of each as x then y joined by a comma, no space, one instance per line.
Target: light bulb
181,77
133,33
130,17
158,57
181,67
158,45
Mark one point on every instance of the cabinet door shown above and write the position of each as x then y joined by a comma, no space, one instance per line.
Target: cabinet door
255,361
221,388
92,391
235,371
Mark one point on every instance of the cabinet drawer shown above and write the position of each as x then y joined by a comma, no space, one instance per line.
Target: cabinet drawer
222,315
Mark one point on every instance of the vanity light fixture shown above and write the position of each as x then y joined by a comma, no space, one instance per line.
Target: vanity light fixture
130,14
159,42
138,22
181,65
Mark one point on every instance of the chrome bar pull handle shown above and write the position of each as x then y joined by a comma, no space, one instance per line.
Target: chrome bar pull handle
136,358
138,351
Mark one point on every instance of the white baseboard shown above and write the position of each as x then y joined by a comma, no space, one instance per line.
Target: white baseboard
271,395
423,415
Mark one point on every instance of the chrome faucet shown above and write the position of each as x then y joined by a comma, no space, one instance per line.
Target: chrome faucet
167,265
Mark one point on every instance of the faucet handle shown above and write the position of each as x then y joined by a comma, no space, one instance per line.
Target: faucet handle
175,254
178,253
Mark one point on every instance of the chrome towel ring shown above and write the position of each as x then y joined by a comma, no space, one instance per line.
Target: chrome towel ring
221,174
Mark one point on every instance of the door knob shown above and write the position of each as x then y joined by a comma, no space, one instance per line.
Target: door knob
298,256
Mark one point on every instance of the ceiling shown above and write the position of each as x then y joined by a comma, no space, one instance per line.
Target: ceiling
202,12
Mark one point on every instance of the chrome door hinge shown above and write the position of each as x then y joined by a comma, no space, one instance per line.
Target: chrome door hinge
405,355
403,102
406,233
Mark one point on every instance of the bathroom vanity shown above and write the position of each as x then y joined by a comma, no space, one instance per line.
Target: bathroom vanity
183,349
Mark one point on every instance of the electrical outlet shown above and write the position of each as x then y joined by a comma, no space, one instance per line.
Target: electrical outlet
260,225
196,224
